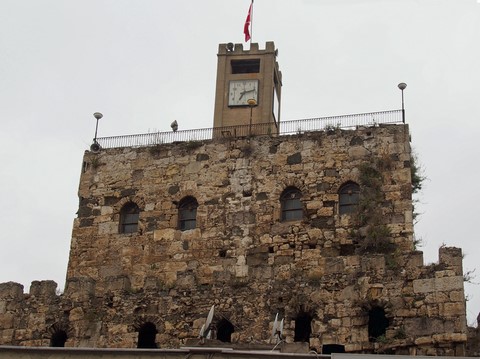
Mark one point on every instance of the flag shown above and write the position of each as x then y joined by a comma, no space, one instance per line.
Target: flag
246,27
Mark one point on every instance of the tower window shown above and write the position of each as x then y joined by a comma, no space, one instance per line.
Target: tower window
187,213
224,331
292,208
129,215
245,66
303,327
377,323
349,196
146,336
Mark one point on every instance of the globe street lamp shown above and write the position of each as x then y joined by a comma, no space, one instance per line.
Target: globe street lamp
95,147
251,103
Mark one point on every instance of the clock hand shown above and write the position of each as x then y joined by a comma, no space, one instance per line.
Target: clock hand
245,92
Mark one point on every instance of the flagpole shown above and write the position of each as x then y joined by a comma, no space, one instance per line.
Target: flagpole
251,26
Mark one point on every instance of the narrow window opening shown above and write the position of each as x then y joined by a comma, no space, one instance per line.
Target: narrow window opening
224,331
187,213
291,203
377,323
129,215
245,66
333,348
303,327
146,336
59,337
348,198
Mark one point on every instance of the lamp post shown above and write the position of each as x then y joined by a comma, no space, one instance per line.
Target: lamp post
402,86
98,116
251,103
95,147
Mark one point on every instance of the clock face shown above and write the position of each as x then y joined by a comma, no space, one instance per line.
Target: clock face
240,91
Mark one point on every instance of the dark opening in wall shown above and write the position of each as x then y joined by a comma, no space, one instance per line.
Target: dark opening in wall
291,204
187,213
224,331
129,215
348,198
333,348
59,337
377,323
303,327
146,336
245,66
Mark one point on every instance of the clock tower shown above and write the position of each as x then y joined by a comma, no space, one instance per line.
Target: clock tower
248,89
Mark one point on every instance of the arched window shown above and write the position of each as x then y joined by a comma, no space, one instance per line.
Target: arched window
146,336
303,327
129,218
59,337
292,208
377,323
348,198
187,213
224,330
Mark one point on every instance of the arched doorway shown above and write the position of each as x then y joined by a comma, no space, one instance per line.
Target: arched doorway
303,327
59,337
146,336
377,323
224,331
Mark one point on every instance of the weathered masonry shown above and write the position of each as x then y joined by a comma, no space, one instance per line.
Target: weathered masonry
319,269
315,226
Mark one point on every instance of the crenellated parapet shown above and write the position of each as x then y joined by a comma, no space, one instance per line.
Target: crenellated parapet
237,49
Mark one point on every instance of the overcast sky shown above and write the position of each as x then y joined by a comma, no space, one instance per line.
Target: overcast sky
146,63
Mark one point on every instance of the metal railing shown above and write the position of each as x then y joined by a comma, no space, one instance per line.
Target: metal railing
259,129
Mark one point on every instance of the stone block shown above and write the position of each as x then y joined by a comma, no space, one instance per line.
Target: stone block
415,259
444,284
11,290
452,309
451,256
79,288
357,152
118,283
450,337
7,321
76,314
167,234
107,228
334,265
375,292
423,340
45,288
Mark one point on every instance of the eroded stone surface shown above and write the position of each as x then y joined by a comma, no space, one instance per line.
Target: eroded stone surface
240,256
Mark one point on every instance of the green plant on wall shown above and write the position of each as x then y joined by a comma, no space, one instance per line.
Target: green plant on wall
193,144
95,162
373,234
156,149
418,179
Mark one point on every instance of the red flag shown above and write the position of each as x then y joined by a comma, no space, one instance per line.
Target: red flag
246,27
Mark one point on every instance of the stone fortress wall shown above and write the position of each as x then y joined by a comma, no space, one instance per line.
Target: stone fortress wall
332,275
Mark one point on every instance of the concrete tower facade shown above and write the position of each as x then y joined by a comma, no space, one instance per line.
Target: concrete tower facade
245,75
